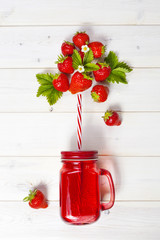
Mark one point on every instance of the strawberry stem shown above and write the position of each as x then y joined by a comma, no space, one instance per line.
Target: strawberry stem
30,196
86,76
79,32
95,96
56,76
69,43
107,115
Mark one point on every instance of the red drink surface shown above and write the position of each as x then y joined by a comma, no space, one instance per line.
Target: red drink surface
79,191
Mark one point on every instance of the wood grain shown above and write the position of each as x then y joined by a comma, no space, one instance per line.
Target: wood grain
19,87
38,47
127,220
25,134
31,137
51,12
135,178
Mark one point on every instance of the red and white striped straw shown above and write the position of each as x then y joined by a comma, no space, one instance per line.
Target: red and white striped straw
79,121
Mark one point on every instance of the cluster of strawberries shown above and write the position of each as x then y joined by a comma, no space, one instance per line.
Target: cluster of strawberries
81,80
79,60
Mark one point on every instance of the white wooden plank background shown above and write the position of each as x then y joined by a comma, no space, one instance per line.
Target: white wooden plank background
33,47
126,220
31,33
52,12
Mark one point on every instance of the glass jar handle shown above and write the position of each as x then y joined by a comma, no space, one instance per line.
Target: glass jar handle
105,206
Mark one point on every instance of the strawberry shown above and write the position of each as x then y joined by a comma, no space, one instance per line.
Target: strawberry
99,93
102,73
97,48
111,118
61,82
36,199
65,64
81,54
80,39
80,82
67,48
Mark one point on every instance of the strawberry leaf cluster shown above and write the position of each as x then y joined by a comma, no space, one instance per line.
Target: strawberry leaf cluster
119,69
87,61
47,89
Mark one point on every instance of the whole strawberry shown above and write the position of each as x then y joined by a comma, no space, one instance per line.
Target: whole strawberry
61,82
100,93
80,82
65,64
67,48
111,118
97,48
102,73
80,39
36,199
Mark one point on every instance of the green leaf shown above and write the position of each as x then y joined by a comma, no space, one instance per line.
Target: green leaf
117,76
60,59
51,76
119,69
45,79
26,199
42,90
53,96
50,92
111,59
30,196
89,67
125,66
88,57
77,60
47,89
119,73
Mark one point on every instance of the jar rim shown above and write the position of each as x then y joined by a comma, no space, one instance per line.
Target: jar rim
79,155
